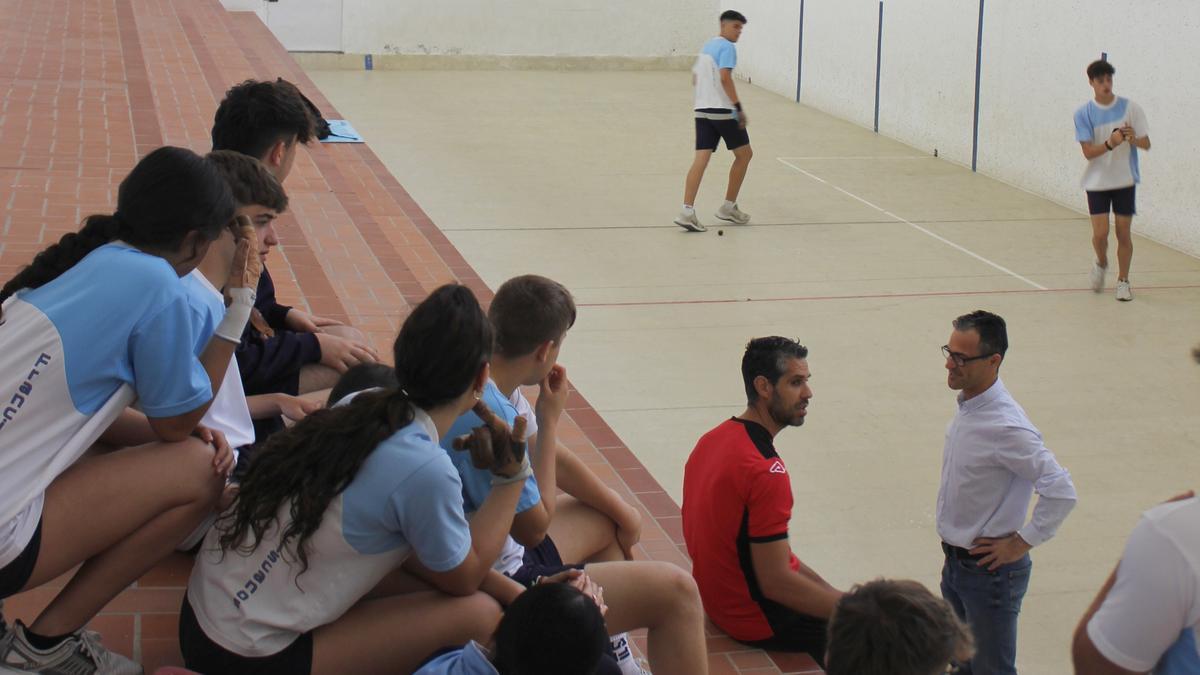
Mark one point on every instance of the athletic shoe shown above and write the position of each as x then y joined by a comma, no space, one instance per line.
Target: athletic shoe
1123,292
732,214
79,654
688,221
1098,277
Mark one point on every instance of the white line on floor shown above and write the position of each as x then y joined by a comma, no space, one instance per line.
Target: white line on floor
915,226
866,157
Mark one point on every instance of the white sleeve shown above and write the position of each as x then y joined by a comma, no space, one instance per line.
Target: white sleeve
524,410
1149,604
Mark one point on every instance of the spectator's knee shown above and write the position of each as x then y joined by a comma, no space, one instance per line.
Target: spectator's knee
195,464
483,613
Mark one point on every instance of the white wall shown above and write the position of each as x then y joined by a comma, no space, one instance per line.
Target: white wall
1034,54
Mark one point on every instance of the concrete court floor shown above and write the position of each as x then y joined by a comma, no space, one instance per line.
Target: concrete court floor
576,175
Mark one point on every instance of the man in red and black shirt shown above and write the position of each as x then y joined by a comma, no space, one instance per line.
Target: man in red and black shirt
737,501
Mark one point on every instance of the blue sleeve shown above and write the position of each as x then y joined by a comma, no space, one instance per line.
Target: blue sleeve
1083,126
167,376
727,56
428,511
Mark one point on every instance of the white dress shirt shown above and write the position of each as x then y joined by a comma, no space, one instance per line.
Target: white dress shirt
993,462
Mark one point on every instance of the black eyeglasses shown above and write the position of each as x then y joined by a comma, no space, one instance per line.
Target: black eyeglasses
962,359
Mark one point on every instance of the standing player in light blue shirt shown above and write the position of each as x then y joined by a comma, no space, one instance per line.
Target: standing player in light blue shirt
719,115
1110,130
97,321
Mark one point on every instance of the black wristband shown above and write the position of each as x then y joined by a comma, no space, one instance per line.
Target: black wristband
738,105
1107,145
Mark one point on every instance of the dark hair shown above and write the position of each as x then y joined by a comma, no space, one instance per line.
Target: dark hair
439,352
894,627
256,115
1100,68
528,311
993,334
171,193
250,180
768,356
360,377
551,629
730,15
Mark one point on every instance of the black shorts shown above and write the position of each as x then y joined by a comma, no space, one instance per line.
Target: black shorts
16,573
1120,201
793,632
540,561
710,132
203,655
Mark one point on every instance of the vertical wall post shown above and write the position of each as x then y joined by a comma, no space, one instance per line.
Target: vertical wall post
800,53
878,63
978,67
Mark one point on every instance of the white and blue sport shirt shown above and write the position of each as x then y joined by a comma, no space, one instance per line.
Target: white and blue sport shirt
717,54
1094,123
76,352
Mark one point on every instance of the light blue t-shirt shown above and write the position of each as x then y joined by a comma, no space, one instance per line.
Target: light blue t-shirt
1094,123
716,55
74,353
405,499
470,660
477,483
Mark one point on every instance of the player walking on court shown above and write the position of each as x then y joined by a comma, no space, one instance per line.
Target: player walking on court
1111,129
719,115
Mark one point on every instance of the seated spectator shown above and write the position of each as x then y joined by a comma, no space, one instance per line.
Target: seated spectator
303,573
594,526
1146,618
551,629
362,377
289,351
96,321
888,627
737,504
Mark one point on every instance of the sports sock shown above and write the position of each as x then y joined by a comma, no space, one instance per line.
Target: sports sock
44,642
624,655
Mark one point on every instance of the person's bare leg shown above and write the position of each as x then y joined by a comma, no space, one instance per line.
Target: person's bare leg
662,598
1100,237
1123,227
394,634
316,377
348,332
691,186
737,171
583,534
150,498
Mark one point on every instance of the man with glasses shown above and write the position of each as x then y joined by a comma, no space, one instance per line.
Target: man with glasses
993,461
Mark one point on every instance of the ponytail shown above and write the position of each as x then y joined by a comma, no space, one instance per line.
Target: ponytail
441,349
309,465
58,258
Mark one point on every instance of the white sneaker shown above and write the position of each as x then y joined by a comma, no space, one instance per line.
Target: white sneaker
688,221
1097,277
1123,292
732,214
80,654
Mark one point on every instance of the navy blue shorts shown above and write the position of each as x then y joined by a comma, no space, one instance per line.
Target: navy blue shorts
709,133
1120,201
203,655
540,561
16,573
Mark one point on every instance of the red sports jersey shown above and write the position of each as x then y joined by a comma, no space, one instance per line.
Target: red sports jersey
736,492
